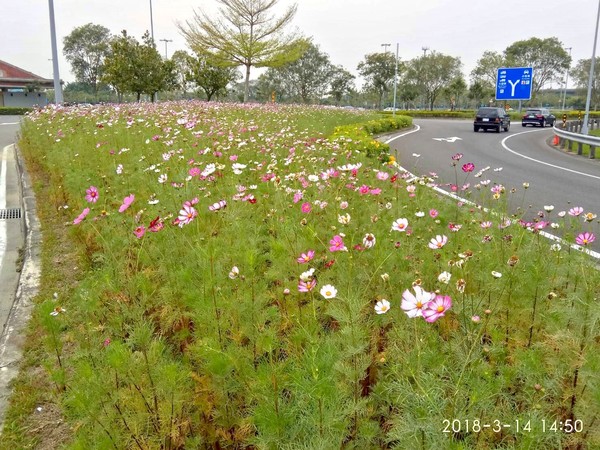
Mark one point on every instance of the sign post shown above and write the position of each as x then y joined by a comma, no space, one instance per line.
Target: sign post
514,83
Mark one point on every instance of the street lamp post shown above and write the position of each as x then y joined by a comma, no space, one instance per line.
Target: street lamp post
58,94
566,81
151,23
396,79
166,41
584,128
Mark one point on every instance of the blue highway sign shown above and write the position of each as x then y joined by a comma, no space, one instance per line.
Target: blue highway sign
514,83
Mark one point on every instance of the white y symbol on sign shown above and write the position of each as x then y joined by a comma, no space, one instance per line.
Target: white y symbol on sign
513,85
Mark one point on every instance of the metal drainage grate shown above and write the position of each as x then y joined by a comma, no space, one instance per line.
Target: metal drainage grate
10,213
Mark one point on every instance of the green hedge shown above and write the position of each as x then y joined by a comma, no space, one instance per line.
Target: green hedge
11,111
360,136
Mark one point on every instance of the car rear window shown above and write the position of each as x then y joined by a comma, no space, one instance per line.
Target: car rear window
533,111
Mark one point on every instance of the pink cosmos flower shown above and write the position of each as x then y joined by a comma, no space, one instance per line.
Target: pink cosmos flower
575,211
457,157
156,225
486,224
585,238
91,194
413,305
81,216
468,167
186,214
139,231
433,213
438,242
298,196
306,257
217,206
400,224
382,176
364,189
127,201
307,286
337,244
437,308
375,191
306,207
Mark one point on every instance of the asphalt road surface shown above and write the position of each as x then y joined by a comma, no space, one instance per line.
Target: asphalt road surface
524,155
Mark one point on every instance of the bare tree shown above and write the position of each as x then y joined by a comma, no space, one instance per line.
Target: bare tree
245,33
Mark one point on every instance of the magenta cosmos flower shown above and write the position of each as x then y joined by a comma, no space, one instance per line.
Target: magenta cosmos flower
306,207
413,305
91,194
437,308
437,242
81,216
468,167
306,257
585,238
127,201
337,244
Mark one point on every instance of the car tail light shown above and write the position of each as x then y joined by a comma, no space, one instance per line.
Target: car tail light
539,116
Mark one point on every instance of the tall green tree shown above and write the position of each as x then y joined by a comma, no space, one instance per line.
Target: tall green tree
454,91
547,56
486,70
581,76
181,61
86,48
137,68
244,33
433,73
378,70
342,83
306,79
211,79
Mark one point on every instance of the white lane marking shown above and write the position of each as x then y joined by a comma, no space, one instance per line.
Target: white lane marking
449,139
10,123
417,128
507,148
547,235
3,235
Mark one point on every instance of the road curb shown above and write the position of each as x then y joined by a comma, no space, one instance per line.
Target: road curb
13,336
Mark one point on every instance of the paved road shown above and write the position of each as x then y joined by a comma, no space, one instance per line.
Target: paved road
11,229
554,177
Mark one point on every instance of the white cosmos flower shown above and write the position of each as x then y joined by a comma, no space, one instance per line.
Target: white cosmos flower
234,273
162,178
444,277
328,291
382,306
548,208
496,274
344,219
308,275
400,224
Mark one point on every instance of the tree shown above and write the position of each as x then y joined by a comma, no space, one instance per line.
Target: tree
581,76
480,93
181,60
454,90
137,68
85,48
486,71
245,34
342,83
432,73
378,70
213,80
306,79
547,56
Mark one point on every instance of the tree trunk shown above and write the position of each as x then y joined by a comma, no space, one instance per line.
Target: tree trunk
247,84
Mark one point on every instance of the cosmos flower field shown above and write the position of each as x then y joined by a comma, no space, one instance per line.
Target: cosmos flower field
244,276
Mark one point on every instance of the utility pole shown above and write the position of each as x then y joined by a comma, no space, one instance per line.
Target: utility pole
584,127
151,24
566,81
58,94
166,41
385,46
396,79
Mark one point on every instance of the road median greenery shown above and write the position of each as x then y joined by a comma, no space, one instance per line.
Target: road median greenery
247,276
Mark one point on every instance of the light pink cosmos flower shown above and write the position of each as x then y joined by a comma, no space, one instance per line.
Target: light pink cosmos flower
438,242
486,224
433,213
400,225
306,257
91,194
186,214
413,305
382,176
127,201
298,196
139,231
369,240
337,244
575,211
437,308
585,238
306,286
217,206
81,216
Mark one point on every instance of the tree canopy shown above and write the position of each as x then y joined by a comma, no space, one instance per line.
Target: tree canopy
378,70
244,33
86,48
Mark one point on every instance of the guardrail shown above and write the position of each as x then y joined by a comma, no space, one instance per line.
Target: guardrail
570,134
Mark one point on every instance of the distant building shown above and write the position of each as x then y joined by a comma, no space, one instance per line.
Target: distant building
21,88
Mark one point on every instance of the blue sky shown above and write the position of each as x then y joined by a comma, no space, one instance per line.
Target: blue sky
345,29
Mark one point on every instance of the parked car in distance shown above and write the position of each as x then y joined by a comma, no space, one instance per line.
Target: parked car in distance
491,118
538,117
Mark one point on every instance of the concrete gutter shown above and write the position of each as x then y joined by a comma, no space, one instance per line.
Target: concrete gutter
13,335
